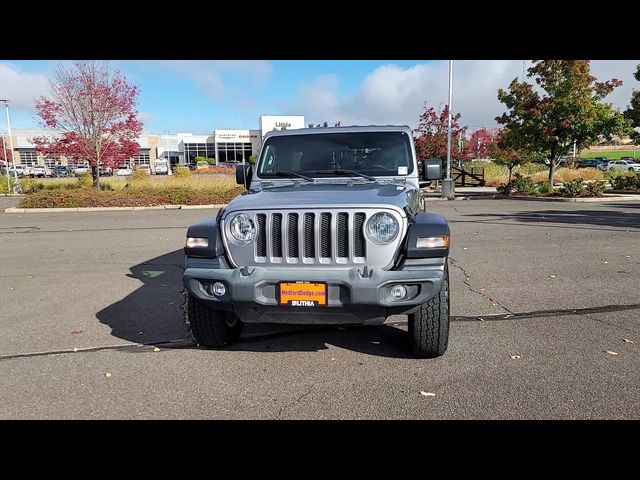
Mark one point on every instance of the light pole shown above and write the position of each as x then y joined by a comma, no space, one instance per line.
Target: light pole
166,147
448,188
6,161
15,174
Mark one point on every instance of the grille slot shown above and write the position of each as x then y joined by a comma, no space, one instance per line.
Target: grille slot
261,237
292,235
276,235
342,235
359,245
309,236
325,235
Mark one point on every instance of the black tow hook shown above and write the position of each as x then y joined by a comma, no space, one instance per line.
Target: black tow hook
245,272
365,272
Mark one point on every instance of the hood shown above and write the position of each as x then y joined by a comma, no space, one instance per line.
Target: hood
326,195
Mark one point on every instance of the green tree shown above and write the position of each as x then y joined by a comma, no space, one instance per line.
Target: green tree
503,150
211,161
566,107
633,112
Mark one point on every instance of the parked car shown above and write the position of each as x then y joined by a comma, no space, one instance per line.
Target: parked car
589,163
202,164
544,161
21,170
623,165
123,172
162,167
105,171
60,171
80,169
40,171
635,160
565,162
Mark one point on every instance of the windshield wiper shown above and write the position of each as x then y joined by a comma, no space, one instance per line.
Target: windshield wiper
288,173
343,171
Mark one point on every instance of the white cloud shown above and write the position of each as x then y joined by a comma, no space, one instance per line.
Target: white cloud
395,95
19,87
622,70
208,74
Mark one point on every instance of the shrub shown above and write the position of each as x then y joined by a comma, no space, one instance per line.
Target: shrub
574,188
140,176
211,161
594,188
545,187
85,180
31,185
61,185
252,159
223,169
142,196
3,184
522,184
182,172
505,188
625,182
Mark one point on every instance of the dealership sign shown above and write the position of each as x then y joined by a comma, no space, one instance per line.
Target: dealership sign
269,123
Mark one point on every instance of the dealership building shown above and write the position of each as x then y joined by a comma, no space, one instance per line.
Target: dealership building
225,145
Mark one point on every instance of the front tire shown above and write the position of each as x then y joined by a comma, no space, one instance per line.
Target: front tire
429,326
212,328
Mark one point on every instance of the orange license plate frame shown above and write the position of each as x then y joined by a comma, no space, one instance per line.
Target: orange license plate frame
302,294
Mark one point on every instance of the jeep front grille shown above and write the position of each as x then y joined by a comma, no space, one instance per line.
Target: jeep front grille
332,237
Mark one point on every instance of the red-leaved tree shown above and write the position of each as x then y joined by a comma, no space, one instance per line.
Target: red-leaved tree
93,108
431,136
5,149
479,142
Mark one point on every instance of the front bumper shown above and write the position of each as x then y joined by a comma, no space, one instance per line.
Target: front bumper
354,295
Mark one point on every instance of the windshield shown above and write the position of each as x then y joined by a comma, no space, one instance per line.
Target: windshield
319,155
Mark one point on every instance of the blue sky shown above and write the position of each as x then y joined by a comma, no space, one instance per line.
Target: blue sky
199,96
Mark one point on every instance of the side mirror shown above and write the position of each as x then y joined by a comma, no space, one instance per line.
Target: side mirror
244,172
432,168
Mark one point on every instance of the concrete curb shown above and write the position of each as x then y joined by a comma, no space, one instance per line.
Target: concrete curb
606,198
110,209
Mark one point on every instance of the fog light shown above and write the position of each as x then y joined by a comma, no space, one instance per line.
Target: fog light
218,289
398,292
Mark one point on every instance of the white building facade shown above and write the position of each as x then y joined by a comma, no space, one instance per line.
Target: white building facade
225,146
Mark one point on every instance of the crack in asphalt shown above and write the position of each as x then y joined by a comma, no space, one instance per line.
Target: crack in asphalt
466,282
547,225
171,343
491,317
297,400
549,313
90,230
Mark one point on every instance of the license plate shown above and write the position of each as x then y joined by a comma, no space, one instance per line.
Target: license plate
302,294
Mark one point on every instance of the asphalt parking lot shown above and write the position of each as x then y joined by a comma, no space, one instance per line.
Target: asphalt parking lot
540,292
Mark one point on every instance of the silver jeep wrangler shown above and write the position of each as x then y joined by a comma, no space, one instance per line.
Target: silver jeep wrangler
331,230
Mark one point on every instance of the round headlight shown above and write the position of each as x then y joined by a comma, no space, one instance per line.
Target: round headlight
382,228
242,228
